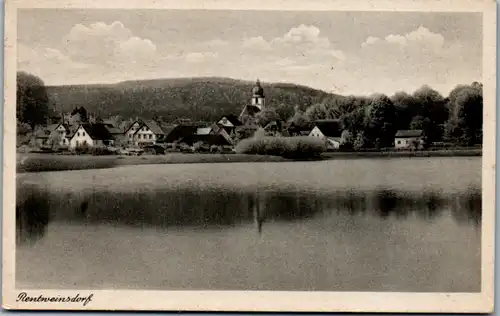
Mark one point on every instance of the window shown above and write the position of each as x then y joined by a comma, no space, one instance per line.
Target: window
150,136
83,133
85,142
78,134
77,143
130,135
399,142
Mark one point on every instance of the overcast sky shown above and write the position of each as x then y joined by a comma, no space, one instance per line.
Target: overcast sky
343,52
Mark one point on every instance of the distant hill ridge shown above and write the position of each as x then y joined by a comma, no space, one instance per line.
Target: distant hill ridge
198,98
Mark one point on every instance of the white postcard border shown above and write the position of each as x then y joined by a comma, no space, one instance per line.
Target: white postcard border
260,300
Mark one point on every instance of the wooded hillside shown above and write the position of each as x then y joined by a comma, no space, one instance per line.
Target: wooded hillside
195,98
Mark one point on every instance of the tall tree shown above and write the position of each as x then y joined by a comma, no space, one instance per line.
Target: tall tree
266,116
466,119
84,117
406,109
434,112
381,121
354,121
32,104
299,118
318,111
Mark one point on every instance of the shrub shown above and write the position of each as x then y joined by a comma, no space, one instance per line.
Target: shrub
289,147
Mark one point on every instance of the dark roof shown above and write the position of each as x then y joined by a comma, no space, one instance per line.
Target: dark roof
97,131
207,139
231,118
154,127
409,133
112,129
128,128
71,130
181,131
329,128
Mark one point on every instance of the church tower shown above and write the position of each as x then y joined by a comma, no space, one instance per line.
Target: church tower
257,103
258,98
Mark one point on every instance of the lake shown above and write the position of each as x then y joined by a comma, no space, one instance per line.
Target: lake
404,224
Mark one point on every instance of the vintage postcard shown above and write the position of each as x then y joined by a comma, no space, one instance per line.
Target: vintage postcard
320,156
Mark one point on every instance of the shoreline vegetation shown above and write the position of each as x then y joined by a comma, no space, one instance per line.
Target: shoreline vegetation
50,162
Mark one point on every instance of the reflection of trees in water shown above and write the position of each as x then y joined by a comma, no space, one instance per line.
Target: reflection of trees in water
222,207
32,213
427,205
468,208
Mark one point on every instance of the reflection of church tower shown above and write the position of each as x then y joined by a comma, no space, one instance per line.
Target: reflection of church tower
257,103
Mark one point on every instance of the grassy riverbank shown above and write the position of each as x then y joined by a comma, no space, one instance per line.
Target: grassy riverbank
403,154
50,162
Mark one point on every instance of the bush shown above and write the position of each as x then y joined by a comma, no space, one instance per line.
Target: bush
289,147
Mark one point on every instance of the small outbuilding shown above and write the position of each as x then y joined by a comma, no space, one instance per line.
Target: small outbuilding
409,139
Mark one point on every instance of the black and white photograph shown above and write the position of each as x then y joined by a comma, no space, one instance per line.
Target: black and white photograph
299,157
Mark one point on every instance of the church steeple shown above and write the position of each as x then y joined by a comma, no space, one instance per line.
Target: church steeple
256,105
258,98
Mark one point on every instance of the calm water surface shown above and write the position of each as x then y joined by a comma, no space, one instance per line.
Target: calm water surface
341,225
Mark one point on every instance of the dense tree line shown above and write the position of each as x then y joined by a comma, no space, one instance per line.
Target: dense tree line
367,121
32,103
373,121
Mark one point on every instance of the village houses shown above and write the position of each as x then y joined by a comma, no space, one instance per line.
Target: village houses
91,135
230,123
52,135
79,128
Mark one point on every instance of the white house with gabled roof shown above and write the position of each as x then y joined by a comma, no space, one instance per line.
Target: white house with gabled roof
130,132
